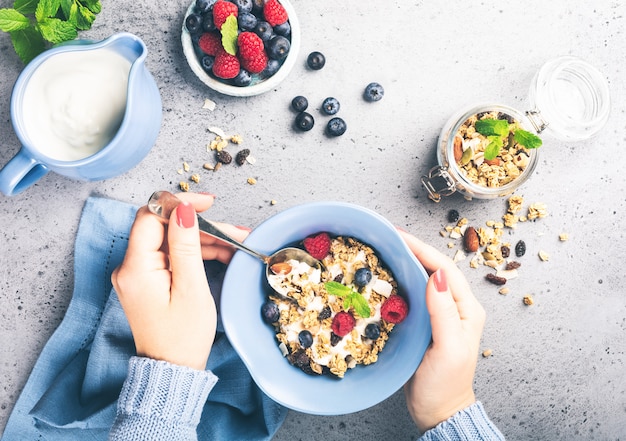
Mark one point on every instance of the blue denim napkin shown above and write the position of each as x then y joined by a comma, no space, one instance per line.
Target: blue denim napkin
72,391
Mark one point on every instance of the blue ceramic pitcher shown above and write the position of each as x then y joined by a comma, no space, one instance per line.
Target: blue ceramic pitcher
129,144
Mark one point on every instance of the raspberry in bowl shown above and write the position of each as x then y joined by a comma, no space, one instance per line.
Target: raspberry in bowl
241,47
245,294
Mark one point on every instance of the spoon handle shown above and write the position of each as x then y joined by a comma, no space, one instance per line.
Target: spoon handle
162,203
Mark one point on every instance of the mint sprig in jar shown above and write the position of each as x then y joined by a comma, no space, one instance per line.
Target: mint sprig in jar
489,150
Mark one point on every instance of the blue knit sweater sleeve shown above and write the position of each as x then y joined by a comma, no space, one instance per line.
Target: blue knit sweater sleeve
469,424
160,401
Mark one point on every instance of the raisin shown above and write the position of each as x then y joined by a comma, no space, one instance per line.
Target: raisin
453,216
520,248
495,279
241,156
508,118
506,251
338,278
512,266
299,358
324,313
334,339
224,157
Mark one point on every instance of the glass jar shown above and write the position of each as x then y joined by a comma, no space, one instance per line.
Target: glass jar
569,99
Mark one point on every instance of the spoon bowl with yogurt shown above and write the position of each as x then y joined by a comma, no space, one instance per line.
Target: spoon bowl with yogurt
162,203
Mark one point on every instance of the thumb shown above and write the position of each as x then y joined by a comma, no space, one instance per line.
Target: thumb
185,252
444,315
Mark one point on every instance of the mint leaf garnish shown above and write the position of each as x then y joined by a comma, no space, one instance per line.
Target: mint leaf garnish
492,127
337,289
57,31
12,20
26,7
34,24
81,17
358,302
28,43
493,148
527,139
350,297
229,35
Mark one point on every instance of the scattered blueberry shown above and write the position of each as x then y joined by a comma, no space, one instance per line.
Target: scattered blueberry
453,216
336,127
207,63
270,312
243,5
264,30
283,29
372,331
316,60
193,23
305,338
362,276
299,103
247,21
278,47
271,68
243,78
330,106
374,92
304,121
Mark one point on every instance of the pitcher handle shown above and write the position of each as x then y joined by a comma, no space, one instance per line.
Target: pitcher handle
20,172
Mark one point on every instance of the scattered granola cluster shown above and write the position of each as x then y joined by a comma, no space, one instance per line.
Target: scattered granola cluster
219,145
487,244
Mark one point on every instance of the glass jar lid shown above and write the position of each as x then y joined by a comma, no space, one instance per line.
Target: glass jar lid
569,98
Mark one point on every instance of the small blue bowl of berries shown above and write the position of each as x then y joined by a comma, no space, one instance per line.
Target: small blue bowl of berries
359,327
241,47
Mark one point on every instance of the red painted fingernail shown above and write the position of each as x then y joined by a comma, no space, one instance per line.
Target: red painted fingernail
185,215
441,284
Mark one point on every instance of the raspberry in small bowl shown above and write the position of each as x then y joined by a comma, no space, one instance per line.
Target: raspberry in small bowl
290,378
241,47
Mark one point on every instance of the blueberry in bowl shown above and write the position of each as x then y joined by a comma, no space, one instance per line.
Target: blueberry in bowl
241,47
250,318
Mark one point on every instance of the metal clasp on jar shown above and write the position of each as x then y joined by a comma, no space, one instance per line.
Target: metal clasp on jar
438,183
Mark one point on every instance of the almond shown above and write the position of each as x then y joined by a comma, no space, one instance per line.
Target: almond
494,161
281,268
458,148
470,240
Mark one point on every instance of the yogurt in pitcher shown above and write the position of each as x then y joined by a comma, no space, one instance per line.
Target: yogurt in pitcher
75,102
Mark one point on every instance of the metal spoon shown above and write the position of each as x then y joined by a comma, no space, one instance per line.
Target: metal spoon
162,203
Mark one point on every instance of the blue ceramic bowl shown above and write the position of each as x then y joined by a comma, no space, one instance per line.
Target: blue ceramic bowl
245,289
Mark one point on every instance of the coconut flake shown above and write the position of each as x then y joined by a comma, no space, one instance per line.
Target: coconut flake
208,104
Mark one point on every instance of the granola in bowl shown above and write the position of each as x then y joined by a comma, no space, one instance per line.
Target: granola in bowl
492,149
331,320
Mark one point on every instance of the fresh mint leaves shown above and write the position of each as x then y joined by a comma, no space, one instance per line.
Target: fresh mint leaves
350,298
496,130
494,146
35,25
492,127
229,35
527,139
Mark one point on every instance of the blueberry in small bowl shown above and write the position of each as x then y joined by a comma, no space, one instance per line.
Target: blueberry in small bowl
241,47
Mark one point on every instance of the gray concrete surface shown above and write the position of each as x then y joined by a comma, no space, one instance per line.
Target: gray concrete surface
558,367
